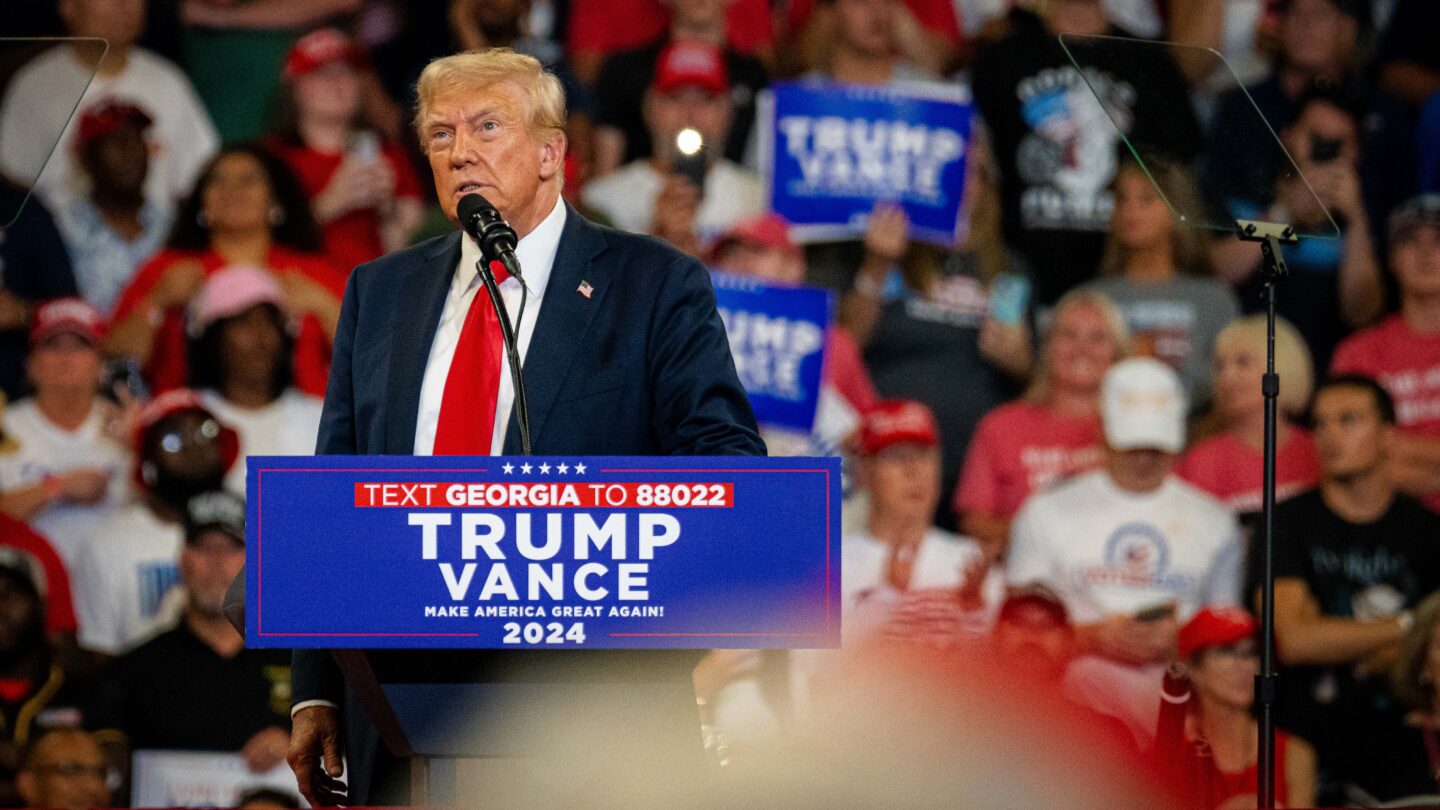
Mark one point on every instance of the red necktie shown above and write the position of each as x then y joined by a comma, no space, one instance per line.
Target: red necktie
467,408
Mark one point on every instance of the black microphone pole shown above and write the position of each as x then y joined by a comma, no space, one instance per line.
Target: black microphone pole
497,240
1270,236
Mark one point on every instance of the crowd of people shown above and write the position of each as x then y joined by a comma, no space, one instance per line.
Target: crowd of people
1069,488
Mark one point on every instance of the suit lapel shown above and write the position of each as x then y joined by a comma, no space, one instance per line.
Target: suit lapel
565,317
420,297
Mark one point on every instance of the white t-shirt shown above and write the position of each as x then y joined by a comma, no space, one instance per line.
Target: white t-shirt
121,579
181,140
1104,550
285,427
45,449
627,195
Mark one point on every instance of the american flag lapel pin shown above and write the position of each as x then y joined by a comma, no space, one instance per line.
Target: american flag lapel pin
585,289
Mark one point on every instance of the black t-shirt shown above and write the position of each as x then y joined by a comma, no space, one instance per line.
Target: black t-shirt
1056,151
1345,565
928,348
175,692
626,75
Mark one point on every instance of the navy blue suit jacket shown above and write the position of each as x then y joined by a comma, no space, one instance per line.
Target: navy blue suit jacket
641,366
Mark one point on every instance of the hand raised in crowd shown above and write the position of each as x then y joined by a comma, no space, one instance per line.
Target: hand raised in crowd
677,208
119,424
315,755
266,749
356,185
887,235
1338,187
1007,346
84,485
178,284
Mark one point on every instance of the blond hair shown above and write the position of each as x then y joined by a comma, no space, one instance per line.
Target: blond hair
1039,389
1408,678
1292,358
472,70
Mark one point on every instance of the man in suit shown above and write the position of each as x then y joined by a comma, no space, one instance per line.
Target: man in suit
622,347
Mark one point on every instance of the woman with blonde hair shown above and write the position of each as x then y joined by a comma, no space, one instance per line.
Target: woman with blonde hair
1158,271
1050,433
1229,463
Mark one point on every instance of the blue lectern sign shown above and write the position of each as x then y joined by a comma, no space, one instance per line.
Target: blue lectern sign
630,552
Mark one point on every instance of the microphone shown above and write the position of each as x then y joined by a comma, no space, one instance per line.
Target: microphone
497,239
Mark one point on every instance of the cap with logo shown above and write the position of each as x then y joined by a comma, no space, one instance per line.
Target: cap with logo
897,421
320,48
690,63
71,316
1142,406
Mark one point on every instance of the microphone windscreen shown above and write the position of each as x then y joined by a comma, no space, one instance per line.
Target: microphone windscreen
471,205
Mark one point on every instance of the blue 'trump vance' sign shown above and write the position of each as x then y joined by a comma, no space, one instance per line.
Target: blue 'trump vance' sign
832,151
540,552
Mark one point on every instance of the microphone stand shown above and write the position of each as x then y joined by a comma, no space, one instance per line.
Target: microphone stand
1270,236
507,333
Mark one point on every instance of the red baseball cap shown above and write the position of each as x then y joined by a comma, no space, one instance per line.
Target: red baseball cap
67,316
897,421
692,64
1215,627
319,48
770,230
107,116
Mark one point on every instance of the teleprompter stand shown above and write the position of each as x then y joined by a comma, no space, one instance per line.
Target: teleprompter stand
1273,269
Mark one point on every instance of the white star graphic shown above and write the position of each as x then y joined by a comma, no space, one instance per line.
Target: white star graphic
544,469
562,468
508,468
579,469
525,468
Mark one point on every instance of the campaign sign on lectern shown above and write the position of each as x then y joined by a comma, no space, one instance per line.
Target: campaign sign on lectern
542,552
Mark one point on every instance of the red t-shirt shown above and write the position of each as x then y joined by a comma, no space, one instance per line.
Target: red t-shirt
1407,363
1234,472
59,608
937,16
1019,448
168,367
354,238
608,26
1227,786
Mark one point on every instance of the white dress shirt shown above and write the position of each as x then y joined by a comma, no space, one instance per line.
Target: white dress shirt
536,253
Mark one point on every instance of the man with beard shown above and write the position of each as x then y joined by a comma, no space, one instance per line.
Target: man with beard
196,687
181,451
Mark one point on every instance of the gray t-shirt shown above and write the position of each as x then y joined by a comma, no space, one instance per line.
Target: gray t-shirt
1175,320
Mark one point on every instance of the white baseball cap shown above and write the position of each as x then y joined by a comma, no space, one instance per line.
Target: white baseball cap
1142,405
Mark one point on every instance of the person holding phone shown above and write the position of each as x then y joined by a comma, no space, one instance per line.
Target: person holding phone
686,193
362,190
1130,548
